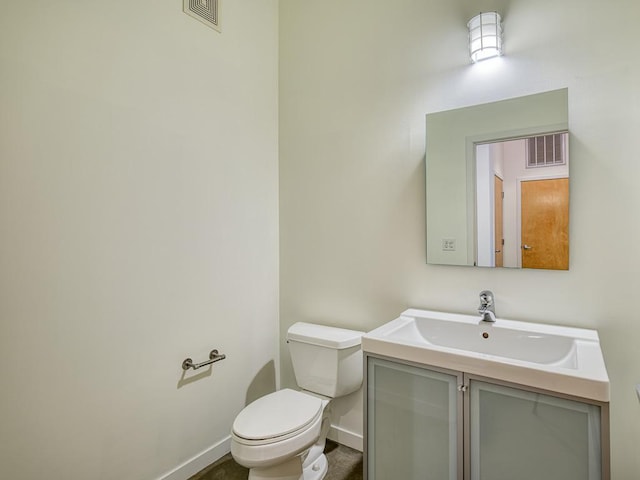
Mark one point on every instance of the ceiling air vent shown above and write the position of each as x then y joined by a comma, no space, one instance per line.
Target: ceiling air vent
547,150
204,10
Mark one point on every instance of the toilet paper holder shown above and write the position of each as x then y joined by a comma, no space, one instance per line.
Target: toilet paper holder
214,357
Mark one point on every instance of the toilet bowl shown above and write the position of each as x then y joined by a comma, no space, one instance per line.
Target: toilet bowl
268,443
281,436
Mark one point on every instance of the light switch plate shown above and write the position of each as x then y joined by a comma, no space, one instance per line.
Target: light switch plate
449,244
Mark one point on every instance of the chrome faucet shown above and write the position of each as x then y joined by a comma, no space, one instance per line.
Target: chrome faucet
487,306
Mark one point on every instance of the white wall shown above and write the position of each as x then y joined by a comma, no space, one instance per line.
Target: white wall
485,207
138,226
356,79
515,152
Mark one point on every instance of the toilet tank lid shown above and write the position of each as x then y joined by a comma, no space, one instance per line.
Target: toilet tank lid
325,336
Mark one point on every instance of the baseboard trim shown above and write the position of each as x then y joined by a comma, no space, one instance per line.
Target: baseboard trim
345,437
199,461
215,452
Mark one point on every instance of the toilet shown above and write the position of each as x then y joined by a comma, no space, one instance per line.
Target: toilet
281,436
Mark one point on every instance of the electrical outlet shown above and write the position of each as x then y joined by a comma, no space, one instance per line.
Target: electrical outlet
449,244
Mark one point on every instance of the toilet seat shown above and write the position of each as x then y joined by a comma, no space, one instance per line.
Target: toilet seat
276,417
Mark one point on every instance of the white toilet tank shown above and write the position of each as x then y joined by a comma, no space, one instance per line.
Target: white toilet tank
326,360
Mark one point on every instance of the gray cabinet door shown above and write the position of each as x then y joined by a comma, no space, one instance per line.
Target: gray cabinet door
413,423
524,435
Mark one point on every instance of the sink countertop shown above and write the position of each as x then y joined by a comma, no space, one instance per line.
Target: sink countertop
564,360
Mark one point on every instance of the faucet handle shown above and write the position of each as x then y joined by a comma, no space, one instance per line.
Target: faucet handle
487,306
486,297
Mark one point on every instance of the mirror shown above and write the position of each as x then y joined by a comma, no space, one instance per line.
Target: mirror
497,180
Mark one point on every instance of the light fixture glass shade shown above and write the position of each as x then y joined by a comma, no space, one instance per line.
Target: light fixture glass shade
485,36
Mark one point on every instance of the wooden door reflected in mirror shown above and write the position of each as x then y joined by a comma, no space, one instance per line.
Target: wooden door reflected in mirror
545,223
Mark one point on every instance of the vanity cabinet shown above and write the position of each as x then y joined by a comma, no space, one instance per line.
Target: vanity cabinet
429,423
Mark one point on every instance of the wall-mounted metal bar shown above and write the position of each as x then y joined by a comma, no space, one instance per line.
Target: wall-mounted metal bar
214,357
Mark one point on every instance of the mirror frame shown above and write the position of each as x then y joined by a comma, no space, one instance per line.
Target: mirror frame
452,136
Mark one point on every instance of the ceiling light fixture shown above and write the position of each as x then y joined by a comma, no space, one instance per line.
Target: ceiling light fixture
485,36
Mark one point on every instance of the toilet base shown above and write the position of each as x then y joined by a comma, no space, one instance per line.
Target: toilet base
292,470
289,470
317,470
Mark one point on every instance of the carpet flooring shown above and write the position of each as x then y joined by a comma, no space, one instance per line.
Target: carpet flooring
344,464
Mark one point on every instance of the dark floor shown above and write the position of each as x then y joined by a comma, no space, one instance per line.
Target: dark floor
344,464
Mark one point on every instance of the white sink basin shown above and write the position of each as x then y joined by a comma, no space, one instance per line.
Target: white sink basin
560,359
